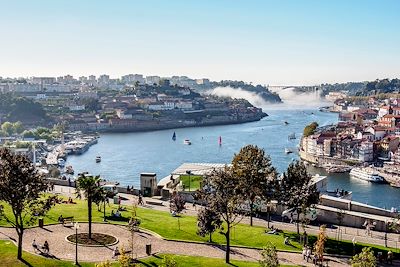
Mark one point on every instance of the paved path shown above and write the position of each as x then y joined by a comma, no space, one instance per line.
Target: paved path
62,249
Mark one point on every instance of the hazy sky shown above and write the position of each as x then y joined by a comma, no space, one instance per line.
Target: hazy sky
268,42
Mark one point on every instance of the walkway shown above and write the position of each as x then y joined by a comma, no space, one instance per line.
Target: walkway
62,249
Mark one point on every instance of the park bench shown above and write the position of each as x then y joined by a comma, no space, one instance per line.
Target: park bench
156,203
68,221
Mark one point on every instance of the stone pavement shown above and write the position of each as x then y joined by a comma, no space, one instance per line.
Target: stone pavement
62,249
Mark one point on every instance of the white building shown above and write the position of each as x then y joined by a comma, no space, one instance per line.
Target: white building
366,151
104,79
153,80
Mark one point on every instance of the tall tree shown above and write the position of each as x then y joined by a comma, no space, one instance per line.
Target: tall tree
208,221
365,258
89,186
297,190
222,194
256,174
22,188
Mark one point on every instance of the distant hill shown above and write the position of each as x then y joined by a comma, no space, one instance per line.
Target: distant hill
16,108
364,88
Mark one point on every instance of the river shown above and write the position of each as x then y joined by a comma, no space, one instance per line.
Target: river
126,155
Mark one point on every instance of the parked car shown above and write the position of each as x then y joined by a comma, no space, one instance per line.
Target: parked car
291,214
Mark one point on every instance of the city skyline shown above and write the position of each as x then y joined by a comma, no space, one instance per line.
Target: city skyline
286,43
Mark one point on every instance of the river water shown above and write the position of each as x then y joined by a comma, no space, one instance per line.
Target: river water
126,155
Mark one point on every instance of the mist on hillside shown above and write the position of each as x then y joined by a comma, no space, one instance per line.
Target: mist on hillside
290,98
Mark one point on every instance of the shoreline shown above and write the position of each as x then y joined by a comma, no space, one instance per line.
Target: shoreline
168,126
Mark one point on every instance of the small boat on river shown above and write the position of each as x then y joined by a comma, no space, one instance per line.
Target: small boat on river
98,159
187,142
288,151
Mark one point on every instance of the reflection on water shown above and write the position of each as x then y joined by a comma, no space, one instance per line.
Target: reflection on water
126,155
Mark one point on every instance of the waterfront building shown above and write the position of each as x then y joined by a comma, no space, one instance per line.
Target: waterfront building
366,151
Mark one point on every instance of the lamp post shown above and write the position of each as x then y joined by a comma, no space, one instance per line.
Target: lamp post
386,228
76,227
189,173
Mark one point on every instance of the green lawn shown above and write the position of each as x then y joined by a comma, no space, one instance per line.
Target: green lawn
8,254
195,181
167,226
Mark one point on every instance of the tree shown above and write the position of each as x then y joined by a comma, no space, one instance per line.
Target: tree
310,129
18,127
320,243
177,203
90,185
256,174
297,190
176,206
22,188
208,221
7,128
365,258
269,256
222,194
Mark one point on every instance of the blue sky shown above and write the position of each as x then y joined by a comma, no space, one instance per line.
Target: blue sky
268,42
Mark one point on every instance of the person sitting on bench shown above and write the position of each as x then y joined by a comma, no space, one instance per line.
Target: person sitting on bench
46,248
61,219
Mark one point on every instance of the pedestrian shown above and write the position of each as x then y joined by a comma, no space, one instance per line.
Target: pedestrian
140,199
308,254
115,252
128,189
304,253
390,257
46,248
35,246
69,182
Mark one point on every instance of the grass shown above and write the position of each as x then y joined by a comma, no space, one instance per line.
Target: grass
185,227
8,254
195,181
167,226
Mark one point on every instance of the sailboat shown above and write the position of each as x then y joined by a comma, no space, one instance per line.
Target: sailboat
174,136
220,141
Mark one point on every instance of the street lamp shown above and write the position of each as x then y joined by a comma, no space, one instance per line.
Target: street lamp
386,229
189,172
76,227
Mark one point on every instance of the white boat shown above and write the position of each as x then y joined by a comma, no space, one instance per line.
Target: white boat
288,151
292,136
61,162
187,142
98,159
366,174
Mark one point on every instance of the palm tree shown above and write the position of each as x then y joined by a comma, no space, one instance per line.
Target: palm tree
89,186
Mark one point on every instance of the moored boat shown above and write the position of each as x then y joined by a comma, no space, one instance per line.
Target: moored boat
366,174
288,151
187,142
98,159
